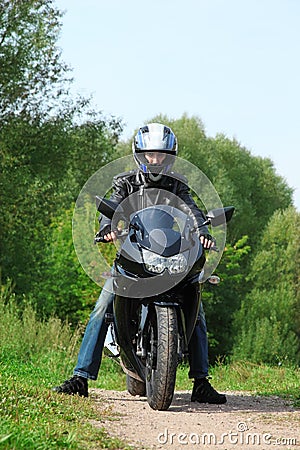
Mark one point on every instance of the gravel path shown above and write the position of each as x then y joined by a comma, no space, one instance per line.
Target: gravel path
244,422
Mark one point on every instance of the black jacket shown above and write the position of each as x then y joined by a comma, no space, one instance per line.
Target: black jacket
138,193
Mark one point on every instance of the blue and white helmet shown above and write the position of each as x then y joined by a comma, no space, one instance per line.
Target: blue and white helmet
154,137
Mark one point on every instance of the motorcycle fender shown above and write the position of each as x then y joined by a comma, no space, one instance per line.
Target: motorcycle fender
123,308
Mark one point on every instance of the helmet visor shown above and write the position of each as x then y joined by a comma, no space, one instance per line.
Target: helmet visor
155,161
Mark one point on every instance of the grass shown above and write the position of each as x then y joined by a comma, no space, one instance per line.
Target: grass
36,355
260,379
32,417
257,379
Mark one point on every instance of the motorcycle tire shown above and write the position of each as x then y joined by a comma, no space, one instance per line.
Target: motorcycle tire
162,358
135,387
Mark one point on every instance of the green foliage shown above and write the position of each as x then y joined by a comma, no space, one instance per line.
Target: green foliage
31,70
66,290
252,185
259,379
50,144
42,172
34,356
23,336
47,151
111,376
268,323
248,182
221,302
32,416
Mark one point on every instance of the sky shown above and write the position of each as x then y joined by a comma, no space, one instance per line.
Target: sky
234,64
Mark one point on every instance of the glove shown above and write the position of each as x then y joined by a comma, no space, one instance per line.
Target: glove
101,233
207,240
207,236
104,231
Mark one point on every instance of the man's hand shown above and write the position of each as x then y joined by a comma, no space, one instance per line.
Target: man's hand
110,237
107,234
207,241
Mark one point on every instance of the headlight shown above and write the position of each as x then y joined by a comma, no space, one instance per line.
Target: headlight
177,264
157,264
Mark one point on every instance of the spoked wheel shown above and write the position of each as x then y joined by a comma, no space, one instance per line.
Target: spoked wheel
135,387
161,362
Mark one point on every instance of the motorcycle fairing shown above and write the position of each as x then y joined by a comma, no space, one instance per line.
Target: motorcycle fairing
126,315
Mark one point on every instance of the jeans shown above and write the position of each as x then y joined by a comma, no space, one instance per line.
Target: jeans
198,348
90,353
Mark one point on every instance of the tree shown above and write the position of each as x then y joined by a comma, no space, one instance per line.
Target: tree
31,72
222,301
267,325
44,166
66,290
250,183
50,144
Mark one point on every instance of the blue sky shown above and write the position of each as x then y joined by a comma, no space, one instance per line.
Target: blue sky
233,63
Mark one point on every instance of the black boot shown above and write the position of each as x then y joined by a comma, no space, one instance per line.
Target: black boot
203,392
75,385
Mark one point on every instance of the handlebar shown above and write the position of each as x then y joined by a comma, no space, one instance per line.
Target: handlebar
124,233
119,234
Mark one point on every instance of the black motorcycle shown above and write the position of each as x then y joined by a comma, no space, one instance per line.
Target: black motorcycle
156,276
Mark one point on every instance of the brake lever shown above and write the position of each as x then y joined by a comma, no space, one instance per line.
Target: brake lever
123,233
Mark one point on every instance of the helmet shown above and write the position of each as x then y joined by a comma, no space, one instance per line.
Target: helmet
154,137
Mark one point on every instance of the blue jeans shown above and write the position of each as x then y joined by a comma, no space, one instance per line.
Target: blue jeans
90,353
198,348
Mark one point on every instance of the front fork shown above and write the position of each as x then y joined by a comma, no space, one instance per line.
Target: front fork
143,333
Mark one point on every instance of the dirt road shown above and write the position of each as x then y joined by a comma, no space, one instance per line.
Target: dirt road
244,422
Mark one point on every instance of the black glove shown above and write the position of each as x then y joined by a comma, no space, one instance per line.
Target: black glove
207,236
101,233
104,231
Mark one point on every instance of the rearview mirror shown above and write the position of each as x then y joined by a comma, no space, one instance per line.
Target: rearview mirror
220,215
107,207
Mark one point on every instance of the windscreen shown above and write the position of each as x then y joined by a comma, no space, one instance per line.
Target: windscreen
160,229
161,217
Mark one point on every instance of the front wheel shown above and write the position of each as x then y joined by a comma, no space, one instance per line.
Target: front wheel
161,362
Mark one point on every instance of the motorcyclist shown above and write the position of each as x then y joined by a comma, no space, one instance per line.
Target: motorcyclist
154,151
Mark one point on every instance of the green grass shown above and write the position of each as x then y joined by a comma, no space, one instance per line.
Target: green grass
33,417
257,379
36,355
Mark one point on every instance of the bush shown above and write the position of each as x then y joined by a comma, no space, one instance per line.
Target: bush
268,324
26,338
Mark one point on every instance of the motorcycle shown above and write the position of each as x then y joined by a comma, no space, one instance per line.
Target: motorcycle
156,277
